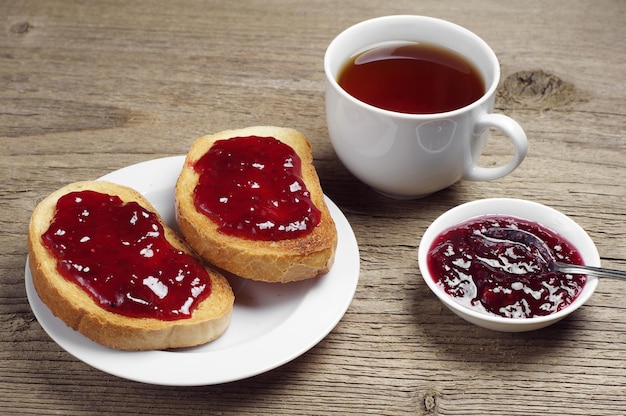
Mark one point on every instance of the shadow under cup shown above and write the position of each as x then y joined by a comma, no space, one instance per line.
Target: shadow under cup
405,155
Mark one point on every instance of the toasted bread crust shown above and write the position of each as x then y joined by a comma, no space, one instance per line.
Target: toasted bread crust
270,261
77,309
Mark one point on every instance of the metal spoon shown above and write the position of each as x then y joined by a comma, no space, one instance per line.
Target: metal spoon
529,239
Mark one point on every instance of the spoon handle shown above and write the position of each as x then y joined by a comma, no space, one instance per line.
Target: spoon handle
590,270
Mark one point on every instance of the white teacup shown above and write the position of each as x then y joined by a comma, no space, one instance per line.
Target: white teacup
413,155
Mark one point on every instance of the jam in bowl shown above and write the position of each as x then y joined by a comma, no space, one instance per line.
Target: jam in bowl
498,282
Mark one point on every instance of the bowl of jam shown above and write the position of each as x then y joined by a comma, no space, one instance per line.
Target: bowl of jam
481,263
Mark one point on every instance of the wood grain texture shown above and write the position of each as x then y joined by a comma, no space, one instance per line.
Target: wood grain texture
90,87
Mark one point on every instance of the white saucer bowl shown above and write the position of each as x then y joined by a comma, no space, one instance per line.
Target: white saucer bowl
532,211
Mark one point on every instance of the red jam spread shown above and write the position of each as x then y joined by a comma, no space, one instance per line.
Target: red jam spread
252,187
118,254
504,276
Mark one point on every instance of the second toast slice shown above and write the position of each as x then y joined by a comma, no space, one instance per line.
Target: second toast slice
284,257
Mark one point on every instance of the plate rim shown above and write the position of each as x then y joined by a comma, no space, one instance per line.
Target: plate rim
129,364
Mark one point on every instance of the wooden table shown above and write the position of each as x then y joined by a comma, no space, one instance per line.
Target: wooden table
89,87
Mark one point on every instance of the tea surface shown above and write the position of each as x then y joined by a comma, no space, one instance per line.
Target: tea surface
414,78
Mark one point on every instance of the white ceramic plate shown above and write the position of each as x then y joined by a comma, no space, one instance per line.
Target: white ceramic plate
271,323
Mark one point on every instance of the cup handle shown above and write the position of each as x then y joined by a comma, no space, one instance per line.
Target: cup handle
517,136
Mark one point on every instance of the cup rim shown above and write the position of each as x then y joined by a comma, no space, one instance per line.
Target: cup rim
489,91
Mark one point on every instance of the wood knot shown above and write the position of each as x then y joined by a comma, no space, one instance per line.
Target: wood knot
20,28
538,90
19,325
429,402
